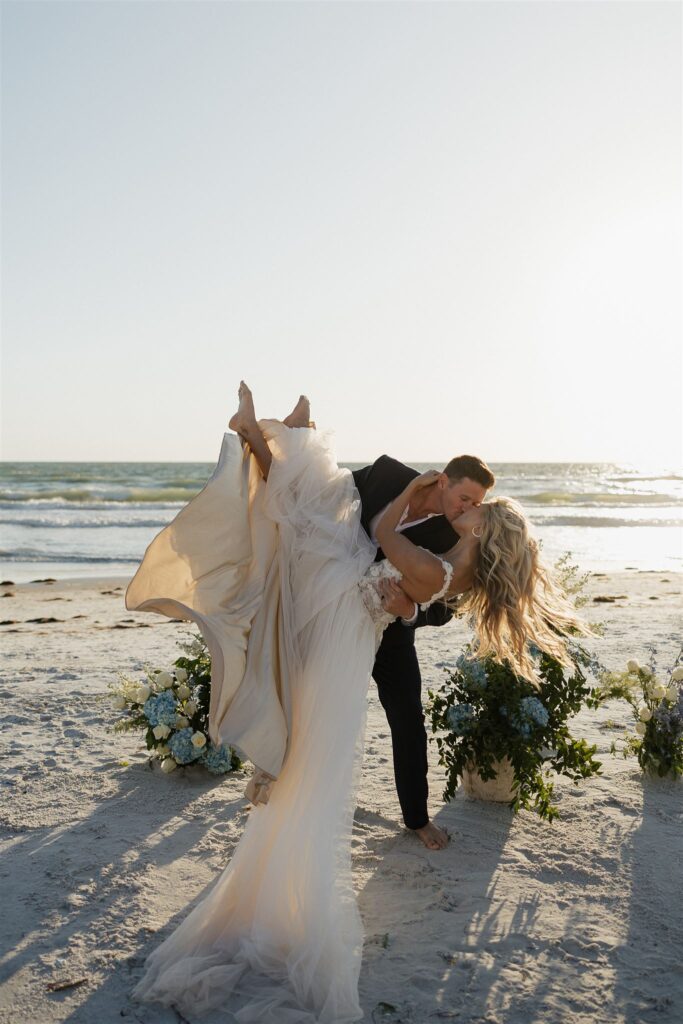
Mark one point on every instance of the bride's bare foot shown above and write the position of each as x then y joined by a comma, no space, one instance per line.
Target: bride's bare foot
244,420
300,416
432,836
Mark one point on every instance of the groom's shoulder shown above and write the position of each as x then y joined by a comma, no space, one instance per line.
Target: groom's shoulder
385,472
386,468
379,483
387,464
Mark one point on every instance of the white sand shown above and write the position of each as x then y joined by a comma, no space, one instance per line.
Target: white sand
516,922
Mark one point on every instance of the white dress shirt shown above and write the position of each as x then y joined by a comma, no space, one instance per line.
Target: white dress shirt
402,524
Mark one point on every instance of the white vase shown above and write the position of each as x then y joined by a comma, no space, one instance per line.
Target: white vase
499,790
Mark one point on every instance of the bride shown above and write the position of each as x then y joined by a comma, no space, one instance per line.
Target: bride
270,560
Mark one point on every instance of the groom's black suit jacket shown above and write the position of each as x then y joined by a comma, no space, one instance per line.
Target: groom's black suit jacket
396,670
378,485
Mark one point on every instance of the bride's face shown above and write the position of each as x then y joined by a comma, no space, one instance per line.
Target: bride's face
470,520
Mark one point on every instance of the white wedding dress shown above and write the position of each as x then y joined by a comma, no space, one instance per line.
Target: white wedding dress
281,578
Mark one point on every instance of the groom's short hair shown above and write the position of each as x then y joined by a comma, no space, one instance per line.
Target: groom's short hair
471,467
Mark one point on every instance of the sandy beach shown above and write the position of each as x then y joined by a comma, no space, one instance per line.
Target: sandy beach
516,922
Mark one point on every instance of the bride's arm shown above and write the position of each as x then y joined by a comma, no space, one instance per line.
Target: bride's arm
392,515
423,572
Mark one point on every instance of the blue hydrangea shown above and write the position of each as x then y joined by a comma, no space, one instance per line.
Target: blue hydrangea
460,718
529,715
182,747
473,671
217,760
534,651
531,710
478,675
160,709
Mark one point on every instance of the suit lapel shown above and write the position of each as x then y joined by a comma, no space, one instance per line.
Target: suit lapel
383,485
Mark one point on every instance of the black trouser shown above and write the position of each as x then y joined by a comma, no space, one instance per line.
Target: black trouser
397,674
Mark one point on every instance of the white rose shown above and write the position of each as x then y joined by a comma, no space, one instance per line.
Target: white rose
168,765
181,675
659,691
164,680
633,666
198,739
161,731
119,702
644,713
142,693
181,722
677,674
183,691
672,693
163,751
190,708
641,729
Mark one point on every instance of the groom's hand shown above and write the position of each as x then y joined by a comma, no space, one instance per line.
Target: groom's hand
395,600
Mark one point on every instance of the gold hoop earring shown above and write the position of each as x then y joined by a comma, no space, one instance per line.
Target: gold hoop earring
474,531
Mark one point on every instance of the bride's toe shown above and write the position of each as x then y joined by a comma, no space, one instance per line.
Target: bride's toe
245,417
300,414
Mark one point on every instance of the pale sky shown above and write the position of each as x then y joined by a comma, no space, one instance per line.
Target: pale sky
455,226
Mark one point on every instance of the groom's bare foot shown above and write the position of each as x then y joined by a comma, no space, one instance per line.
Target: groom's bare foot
244,420
300,416
432,836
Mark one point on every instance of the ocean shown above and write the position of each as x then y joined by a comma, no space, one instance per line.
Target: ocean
78,519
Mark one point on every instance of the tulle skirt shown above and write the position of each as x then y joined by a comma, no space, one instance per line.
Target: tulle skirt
278,939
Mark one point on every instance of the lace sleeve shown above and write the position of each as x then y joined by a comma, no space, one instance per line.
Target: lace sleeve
448,576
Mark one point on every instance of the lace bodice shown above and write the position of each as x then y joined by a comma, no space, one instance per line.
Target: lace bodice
383,570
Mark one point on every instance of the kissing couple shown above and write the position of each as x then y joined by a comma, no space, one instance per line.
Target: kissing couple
305,579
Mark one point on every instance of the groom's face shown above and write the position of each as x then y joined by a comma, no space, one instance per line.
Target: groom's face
459,496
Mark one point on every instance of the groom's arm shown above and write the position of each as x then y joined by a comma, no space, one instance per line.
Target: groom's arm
438,614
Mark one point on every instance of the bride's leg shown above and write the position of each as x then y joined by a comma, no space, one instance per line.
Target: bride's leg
244,423
300,416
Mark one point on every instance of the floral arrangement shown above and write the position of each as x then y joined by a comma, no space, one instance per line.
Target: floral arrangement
657,740
484,716
172,707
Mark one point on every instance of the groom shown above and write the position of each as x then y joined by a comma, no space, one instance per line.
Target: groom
463,484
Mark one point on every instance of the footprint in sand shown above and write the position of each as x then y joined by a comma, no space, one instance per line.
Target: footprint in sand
577,950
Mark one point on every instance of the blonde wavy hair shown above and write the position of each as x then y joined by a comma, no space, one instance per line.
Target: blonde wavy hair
514,600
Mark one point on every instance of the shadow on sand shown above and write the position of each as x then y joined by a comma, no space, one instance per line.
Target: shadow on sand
84,896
